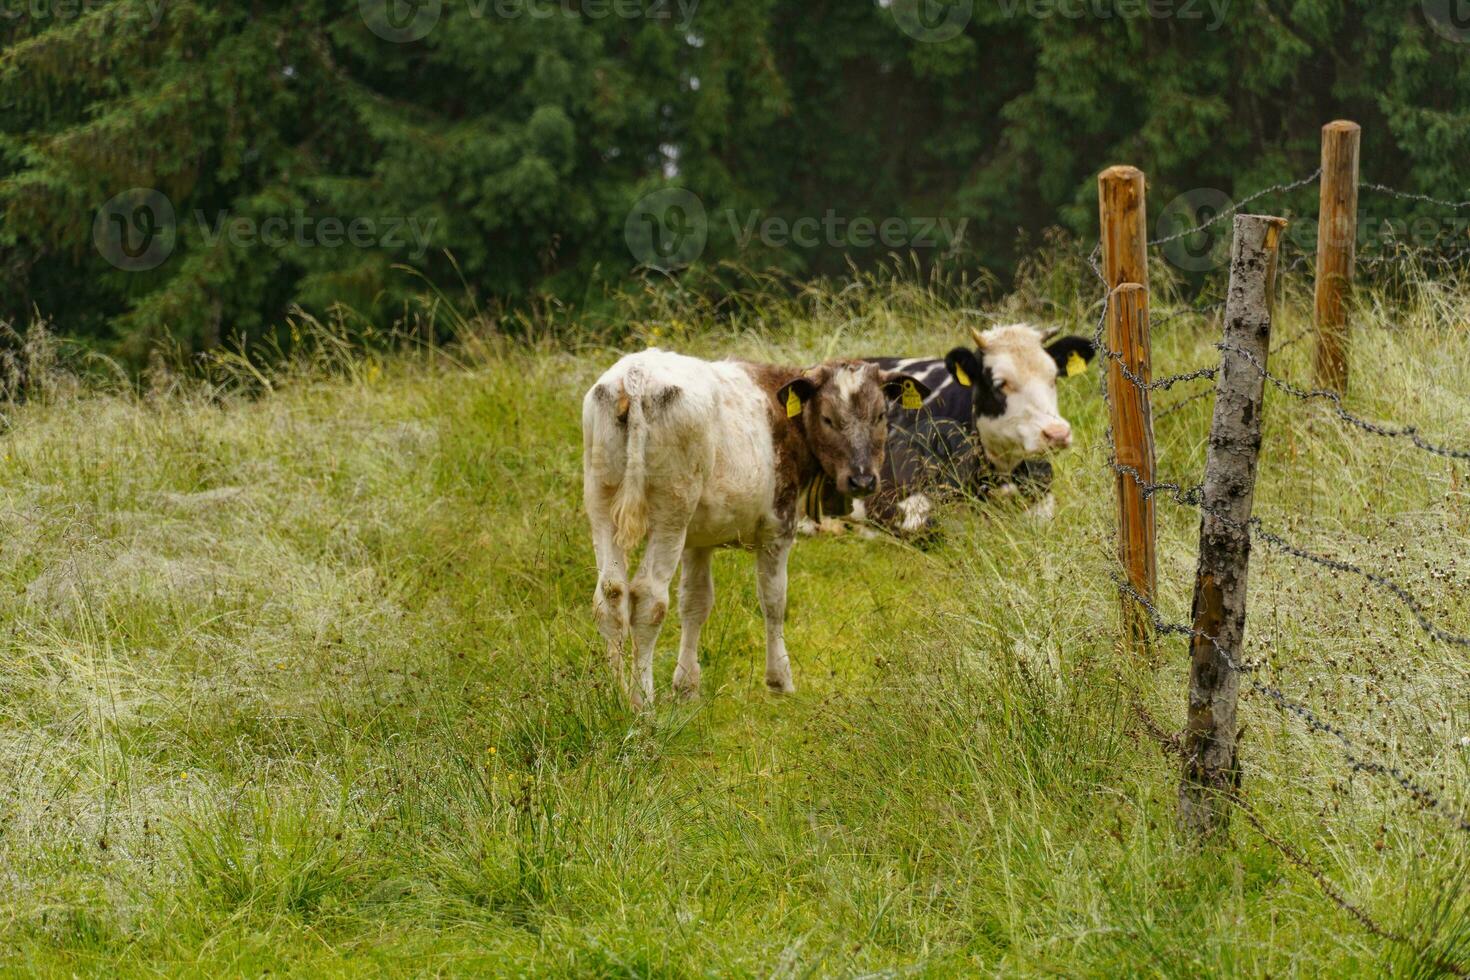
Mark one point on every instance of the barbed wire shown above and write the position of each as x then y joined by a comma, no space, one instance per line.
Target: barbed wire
1294,338
1410,195
1158,384
1203,310
1334,894
1407,432
1194,497
1171,744
1357,759
1181,403
1235,208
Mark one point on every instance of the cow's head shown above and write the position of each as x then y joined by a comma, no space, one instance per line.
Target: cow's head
841,409
1012,373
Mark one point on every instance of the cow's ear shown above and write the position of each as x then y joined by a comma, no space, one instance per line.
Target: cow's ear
964,365
1072,355
794,394
908,390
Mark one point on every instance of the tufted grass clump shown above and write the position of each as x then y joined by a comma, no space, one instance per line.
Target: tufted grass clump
299,675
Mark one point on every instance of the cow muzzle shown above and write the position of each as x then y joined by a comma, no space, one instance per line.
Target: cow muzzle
1057,435
862,484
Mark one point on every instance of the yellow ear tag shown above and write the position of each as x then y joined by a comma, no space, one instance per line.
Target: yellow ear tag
961,376
911,400
793,404
1075,364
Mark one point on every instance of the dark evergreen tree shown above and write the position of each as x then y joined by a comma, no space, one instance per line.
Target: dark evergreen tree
296,152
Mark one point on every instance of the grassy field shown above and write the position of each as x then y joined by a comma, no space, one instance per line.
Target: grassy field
299,675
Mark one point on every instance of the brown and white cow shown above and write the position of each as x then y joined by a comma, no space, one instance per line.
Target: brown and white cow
693,455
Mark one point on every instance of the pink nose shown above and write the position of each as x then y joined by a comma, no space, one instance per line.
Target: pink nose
1057,434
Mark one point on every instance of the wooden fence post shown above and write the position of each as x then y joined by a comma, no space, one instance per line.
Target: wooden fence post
1211,770
1124,224
1337,235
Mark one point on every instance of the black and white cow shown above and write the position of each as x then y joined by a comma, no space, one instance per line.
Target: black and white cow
985,428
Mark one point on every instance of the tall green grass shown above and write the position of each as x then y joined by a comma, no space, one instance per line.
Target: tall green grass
299,675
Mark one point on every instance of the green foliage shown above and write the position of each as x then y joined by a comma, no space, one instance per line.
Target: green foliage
516,135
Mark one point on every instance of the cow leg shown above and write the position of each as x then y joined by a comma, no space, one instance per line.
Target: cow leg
696,598
649,599
914,514
610,598
770,572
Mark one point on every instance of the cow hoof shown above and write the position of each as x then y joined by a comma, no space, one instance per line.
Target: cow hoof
781,684
686,685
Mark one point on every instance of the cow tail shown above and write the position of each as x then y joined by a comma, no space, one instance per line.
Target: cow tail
630,503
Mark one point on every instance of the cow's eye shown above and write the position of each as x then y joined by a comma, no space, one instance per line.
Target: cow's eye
1008,388
827,420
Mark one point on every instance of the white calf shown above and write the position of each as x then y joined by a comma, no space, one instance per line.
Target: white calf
693,455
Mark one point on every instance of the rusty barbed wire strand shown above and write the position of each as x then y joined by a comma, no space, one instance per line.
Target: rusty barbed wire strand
1334,894
1356,758
1294,338
1407,432
1204,311
1235,208
1158,384
1194,497
1184,402
1410,195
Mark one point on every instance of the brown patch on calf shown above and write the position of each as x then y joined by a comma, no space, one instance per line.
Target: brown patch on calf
841,431
795,464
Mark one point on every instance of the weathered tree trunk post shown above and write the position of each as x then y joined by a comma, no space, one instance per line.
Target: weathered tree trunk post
1337,234
1123,220
1211,771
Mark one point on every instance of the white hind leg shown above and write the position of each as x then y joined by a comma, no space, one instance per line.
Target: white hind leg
649,598
696,598
610,599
